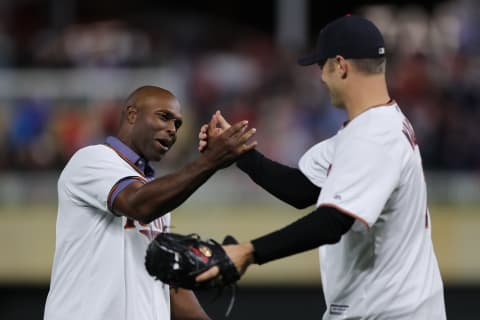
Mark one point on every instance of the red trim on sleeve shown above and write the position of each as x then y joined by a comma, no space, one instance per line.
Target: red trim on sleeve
348,213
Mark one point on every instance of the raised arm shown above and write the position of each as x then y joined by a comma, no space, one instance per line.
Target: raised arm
147,201
281,181
285,183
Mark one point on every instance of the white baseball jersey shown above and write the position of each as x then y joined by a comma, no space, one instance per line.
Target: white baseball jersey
98,270
384,267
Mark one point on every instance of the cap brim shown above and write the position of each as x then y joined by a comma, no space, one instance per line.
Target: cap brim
309,59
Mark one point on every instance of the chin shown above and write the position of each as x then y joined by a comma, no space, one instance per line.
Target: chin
338,104
157,158
154,156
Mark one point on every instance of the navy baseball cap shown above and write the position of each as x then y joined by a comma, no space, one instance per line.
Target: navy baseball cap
352,37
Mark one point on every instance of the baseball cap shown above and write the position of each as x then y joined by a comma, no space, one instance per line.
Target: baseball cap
352,37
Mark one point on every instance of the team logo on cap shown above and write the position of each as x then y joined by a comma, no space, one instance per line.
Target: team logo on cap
381,50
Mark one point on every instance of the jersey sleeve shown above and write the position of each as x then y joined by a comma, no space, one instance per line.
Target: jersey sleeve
118,187
362,177
93,175
315,163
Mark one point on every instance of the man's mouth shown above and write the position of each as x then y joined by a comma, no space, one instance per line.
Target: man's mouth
164,144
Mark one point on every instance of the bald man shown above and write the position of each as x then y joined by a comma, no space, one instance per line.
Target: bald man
110,207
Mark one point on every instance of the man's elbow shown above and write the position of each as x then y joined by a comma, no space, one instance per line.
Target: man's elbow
145,213
301,203
300,206
334,239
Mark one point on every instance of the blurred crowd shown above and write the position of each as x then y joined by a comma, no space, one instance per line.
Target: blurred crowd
433,71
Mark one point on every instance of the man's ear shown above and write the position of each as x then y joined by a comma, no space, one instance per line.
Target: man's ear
131,114
342,66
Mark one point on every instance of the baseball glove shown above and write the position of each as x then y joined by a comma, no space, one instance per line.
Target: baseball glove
177,259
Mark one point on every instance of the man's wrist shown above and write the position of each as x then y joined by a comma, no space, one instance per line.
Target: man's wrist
205,164
250,252
248,159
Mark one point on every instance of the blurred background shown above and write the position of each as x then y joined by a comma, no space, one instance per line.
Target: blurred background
66,67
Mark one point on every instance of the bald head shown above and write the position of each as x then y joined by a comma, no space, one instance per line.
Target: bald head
149,122
140,96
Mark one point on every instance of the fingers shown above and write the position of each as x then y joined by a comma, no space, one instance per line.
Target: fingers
212,129
242,141
222,146
212,125
236,129
247,147
202,135
202,145
241,256
240,136
221,121
247,135
209,274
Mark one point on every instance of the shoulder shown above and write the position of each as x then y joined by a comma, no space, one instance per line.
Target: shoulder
381,125
323,149
321,146
95,151
98,153
378,119
96,163
94,157
381,129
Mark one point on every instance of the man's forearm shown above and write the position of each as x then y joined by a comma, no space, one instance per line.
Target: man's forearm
325,225
184,305
166,193
286,183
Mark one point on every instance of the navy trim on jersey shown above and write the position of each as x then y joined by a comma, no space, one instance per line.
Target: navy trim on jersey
137,162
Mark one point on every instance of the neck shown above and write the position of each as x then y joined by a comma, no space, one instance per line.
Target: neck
124,136
365,92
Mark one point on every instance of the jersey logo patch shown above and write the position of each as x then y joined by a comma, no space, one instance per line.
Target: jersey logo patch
150,230
338,309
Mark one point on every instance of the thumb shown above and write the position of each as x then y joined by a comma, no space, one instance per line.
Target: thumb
209,274
212,125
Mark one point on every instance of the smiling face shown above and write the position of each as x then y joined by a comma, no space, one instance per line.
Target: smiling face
152,118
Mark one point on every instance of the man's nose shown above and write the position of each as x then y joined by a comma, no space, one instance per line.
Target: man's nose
171,129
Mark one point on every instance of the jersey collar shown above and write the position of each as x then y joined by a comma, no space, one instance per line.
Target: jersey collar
390,102
131,156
